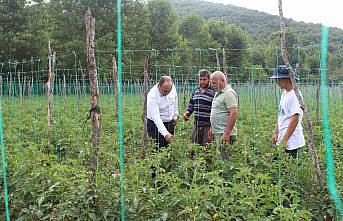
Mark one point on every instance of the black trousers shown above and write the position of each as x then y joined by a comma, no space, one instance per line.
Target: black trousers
153,132
293,153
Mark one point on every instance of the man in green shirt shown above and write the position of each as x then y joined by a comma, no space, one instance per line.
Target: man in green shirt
224,111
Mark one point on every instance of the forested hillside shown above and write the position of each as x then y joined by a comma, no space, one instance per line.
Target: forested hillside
163,25
258,25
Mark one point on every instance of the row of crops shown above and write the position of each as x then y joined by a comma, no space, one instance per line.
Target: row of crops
48,177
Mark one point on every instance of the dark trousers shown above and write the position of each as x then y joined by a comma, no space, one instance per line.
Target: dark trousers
293,153
199,134
153,132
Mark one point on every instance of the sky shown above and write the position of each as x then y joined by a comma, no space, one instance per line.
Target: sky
327,12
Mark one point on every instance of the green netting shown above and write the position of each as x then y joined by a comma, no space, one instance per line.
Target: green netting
329,158
120,111
192,181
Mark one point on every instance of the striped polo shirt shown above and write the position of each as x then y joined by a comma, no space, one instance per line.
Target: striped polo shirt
200,105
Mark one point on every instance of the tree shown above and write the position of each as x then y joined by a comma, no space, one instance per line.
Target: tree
13,20
233,38
273,53
136,25
196,36
164,33
136,28
194,28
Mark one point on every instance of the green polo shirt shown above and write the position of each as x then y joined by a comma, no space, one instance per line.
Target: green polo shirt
223,101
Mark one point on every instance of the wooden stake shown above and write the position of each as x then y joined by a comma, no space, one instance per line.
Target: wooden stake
29,90
93,90
144,114
64,91
24,86
218,62
115,85
50,87
224,62
20,90
9,86
1,86
83,80
317,102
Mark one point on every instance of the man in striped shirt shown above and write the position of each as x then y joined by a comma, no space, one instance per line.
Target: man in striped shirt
200,104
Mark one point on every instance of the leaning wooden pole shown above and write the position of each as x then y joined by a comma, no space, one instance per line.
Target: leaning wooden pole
50,87
93,90
145,111
300,99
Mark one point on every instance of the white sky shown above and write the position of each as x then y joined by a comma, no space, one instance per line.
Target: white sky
327,12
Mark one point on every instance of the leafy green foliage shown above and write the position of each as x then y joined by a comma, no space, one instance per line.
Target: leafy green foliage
188,34
51,181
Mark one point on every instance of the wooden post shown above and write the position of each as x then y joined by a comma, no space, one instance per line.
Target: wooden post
9,86
24,87
139,87
78,90
93,90
300,99
20,90
59,87
1,86
224,62
184,91
144,114
115,84
50,87
317,102
83,80
218,62
64,91
108,87
29,89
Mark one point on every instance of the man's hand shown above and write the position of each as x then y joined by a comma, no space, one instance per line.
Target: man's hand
209,134
169,138
174,121
186,116
274,138
226,138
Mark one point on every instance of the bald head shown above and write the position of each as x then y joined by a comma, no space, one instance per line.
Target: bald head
218,80
165,85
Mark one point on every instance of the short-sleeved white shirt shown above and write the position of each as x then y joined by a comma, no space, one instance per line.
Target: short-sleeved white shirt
289,106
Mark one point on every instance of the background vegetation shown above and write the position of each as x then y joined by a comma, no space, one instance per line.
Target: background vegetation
26,27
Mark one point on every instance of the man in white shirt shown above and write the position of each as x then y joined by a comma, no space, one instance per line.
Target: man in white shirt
162,111
288,131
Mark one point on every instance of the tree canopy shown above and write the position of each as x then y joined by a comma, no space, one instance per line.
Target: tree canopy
249,37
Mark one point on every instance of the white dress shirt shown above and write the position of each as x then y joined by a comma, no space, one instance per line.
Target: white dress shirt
162,108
